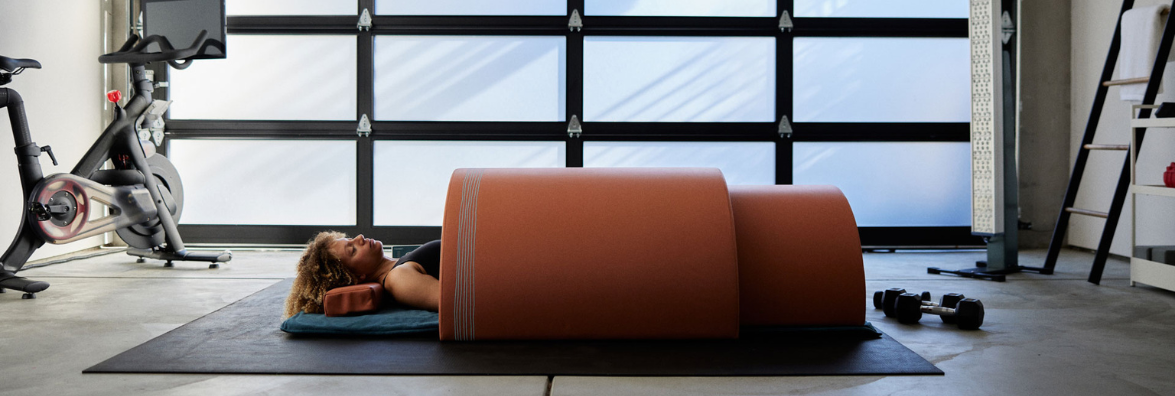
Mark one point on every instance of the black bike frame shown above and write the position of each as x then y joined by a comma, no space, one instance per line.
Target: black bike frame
30,173
119,139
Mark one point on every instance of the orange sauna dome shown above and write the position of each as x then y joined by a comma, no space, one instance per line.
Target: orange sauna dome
799,257
621,253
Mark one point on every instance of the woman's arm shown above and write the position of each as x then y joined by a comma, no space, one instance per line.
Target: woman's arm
411,286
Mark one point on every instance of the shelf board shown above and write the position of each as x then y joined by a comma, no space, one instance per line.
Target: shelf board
1151,189
1152,123
1152,273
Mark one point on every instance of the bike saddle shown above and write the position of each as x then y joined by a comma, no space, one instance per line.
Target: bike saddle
10,65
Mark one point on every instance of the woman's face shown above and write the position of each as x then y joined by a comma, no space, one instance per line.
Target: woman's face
361,256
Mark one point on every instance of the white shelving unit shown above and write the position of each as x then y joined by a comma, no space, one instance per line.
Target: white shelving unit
1142,270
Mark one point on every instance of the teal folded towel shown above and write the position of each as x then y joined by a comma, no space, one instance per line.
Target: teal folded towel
388,321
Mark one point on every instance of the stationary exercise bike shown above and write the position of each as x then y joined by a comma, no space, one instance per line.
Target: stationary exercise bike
143,191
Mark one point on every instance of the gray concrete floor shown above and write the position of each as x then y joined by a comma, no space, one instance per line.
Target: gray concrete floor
1043,335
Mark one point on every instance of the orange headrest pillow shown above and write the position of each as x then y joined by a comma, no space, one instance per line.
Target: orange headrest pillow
347,300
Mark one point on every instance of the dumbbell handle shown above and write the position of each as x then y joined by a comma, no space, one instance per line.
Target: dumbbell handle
937,310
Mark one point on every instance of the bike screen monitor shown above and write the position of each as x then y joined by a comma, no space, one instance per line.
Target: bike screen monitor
180,21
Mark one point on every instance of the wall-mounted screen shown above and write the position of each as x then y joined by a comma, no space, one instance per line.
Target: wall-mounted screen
181,21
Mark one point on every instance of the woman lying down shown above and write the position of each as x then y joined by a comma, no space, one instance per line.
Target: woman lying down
332,260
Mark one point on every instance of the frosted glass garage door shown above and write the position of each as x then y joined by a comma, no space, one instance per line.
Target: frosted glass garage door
291,7
412,177
679,79
470,78
698,8
471,7
740,162
893,184
266,182
882,8
855,79
271,78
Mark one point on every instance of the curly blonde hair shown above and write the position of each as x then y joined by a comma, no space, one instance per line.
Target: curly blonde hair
318,271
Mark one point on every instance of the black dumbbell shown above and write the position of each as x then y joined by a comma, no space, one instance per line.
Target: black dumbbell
968,313
949,300
887,299
884,300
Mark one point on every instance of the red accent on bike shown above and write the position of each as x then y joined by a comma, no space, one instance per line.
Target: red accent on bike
1169,176
114,96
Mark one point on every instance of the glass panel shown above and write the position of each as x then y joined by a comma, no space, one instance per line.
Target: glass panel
291,7
699,79
280,182
740,162
470,78
271,78
883,9
893,183
882,80
700,8
412,177
471,7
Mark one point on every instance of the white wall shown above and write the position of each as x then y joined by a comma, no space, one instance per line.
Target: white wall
63,100
1092,29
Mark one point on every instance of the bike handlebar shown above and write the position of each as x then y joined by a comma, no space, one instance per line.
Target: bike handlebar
133,51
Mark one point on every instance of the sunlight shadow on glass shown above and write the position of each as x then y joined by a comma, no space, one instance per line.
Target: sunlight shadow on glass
471,7
691,8
893,184
290,7
679,79
882,80
266,182
467,78
882,9
412,177
271,78
740,162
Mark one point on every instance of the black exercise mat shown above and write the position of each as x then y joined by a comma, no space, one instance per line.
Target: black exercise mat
243,338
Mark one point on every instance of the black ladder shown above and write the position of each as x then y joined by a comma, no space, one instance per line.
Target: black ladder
1067,209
